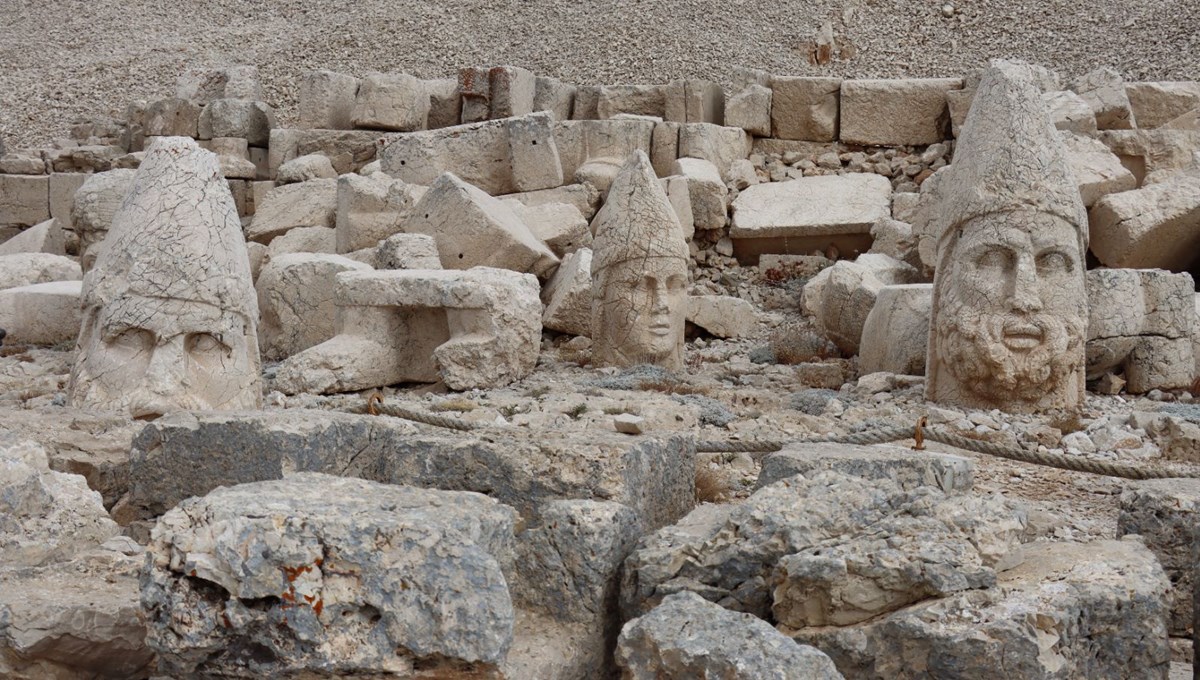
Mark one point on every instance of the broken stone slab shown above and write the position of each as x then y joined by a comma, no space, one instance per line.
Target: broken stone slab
445,102
41,314
533,155
24,200
895,239
798,216
304,204
258,573
46,237
347,150
723,316
295,301
906,468
1147,152
1094,610
1156,226
716,144
474,229
568,295
582,141
327,100
637,100
584,197
391,101
370,209
689,637
26,269
841,297
20,164
474,328
1097,170
706,192
805,108
512,91
1104,91
171,118
205,85
895,334
407,251
1155,104
1068,111
750,110
78,618
558,225
250,120
555,96
304,168
1164,513
664,147
303,240
896,112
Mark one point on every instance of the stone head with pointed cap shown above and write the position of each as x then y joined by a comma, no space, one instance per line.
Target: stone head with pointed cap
639,273
1009,305
170,313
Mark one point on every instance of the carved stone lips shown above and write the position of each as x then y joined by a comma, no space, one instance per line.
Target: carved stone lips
660,328
1022,334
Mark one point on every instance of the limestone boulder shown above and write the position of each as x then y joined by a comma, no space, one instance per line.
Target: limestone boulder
304,204
638,100
250,120
895,334
1156,226
295,301
303,240
555,96
46,237
716,144
370,209
24,200
26,269
805,108
407,251
558,225
304,168
841,297
171,118
327,100
908,469
42,313
533,153
895,112
750,110
1068,111
1155,104
689,637
445,102
567,296
93,208
391,101
1164,513
1097,170
723,316
512,91
348,150
1104,91
583,197
706,191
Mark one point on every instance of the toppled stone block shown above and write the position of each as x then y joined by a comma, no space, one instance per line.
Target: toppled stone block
802,215
555,96
895,334
445,102
841,297
584,197
568,295
581,142
327,100
42,313
558,225
906,468
26,269
805,108
24,200
347,150
723,316
19,164
303,240
637,100
1156,226
1150,153
1155,104
1068,111
370,209
92,212
688,637
1097,170
205,85
304,168
391,101
407,251
295,301
474,328
1104,91
46,237
750,110
473,229
250,120
716,144
512,91
1093,610
1164,512
261,571
533,154
896,112
304,204
706,192
171,118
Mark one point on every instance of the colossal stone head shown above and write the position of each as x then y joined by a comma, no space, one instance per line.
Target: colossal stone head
170,315
1010,311
639,273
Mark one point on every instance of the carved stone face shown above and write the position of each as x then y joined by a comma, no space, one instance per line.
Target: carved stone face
150,356
643,307
1012,314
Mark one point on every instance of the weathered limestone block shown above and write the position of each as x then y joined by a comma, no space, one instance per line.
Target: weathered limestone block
558,225
1156,226
1097,170
19,164
533,154
895,239
391,101
75,619
1009,322
841,297
92,211
639,273
169,313
706,191
555,96
26,269
582,141
723,316
805,108
1146,152
896,112
315,572
42,313
1069,111
568,295
664,147
250,120
906,468
587,103
584,197
370,209
473,229
327,100
205,85
24,200
716,144
46,237
1155,104
45,516
87,158
348,150
295,300
480,154
689,637
171,118
63,186
476,90
445,102
638,100
304,168
1071,610
407,251
1104,91
512,91
304,204
679,194
1164,512
303,240
895,334
802,215
469,329
750,110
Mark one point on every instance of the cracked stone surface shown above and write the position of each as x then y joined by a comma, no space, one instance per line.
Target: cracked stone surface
170,315
295,296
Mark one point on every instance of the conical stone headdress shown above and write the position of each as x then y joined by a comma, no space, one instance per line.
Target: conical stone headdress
636,221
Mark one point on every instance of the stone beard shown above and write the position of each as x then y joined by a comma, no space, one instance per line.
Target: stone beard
639,317
1010,317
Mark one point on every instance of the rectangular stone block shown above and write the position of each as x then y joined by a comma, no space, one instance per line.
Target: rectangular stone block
587,103
327,100
583,197
910,469
533,154
171,118
1157,103
445,103
716,144
391,101
512,91
664,147
958,104
1068,111
555,96
24,200
704,102
750,109
347,150
638,100
1154,227
475,88
249,120
63,186
477,153
1097,170
42,313
805,108
896,112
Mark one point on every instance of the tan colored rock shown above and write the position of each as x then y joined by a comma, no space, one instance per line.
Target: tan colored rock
295,299
169,313
895,335
407,251
42,313
750,110
46,237
479,154
304,240
841,297
639,273
611,141
1147,152
512,91
533,155
92,212
559,225
304,168
1009,304
1104,91
24,200
679,194
370,209
583,197
716,144
723,316
445,102
171,117
639,100
327,100
1097,170
805,108
476,90
347,150
250,120
567,296
706,191
1154,104
391,101
664,146
555,96
63,186
25,269
896,112
304,204
1157,226
1068,111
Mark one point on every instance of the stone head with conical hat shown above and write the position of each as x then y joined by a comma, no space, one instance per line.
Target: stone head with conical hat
170,313
639,273
1009,305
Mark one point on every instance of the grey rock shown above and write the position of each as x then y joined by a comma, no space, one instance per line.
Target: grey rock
909,469
1166,514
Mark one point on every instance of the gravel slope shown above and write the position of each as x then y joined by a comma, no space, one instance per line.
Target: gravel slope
68,58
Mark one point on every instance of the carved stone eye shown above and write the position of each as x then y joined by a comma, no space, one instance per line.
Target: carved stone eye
132,339
995,258
1054,261
204,343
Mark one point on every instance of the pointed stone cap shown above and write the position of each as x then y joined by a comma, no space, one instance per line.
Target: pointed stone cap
637,221
1009,157
177,235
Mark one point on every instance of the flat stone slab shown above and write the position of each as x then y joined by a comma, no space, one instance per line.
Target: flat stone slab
907,468
812,206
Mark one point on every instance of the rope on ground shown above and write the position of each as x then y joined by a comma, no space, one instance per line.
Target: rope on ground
375,406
